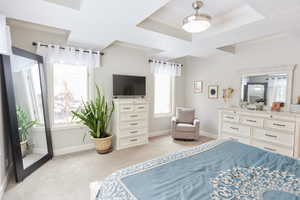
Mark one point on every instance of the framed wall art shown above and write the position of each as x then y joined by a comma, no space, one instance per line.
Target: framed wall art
213,91
198,87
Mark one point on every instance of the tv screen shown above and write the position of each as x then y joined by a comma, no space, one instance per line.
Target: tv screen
124,85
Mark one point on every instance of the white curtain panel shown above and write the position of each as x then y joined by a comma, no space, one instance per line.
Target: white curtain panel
165,68
69,56
19,63
278,85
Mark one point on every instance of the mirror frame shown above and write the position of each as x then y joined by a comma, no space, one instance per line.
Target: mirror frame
282,69
9,102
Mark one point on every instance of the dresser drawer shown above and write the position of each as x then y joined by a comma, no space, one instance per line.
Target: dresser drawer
271,136
280,125
273,148
126,108
237,129
230,118
141,108
133,132
251,121
132,141
133,125
132,116
233,137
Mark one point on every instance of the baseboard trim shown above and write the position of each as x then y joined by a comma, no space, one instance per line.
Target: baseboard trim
73,149
84,147
159,133
5,181
208,134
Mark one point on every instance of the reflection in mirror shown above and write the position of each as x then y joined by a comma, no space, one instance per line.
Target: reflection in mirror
264,89
30,116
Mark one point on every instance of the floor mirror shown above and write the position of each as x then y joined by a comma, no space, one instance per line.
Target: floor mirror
27,111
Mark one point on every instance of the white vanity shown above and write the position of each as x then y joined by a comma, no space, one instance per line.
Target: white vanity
269,130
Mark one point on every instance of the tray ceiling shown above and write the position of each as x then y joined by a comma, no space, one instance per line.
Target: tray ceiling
98,24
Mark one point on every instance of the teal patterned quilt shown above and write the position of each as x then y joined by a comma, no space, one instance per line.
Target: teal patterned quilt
218,170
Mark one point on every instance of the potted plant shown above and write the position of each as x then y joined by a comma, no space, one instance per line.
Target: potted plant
96,115
24,124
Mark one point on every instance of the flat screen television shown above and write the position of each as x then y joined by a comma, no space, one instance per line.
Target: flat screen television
124,85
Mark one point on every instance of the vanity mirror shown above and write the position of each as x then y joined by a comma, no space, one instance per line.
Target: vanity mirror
265,86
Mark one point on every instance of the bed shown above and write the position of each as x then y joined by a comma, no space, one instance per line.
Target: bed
221,169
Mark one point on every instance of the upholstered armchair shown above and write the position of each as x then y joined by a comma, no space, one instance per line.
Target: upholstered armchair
185,125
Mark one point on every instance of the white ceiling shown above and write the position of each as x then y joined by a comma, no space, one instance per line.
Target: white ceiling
98,24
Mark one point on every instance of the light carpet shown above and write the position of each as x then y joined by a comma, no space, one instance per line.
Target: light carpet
68,177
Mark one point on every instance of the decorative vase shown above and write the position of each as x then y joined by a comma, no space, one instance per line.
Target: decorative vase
24,148
103,145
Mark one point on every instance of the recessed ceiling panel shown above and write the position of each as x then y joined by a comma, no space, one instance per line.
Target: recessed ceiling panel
174,12
74,4
147,50
225,17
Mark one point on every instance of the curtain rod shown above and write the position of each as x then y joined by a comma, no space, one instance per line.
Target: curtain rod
150,61
46,45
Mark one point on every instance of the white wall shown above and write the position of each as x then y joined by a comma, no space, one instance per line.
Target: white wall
117,60
223,71
123,60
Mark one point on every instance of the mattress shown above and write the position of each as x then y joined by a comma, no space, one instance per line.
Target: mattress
221,169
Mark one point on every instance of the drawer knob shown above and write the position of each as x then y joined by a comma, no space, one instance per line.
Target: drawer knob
133,131
273,136
234,128
126,108
280,125
134,124
133,115
270,149
133,140
249,120
229,117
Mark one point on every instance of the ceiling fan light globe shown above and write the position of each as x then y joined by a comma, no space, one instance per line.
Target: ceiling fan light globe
196,23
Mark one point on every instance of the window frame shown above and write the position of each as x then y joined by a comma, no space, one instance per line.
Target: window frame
172,98
50,92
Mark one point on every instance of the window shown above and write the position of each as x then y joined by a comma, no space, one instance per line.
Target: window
163,95
70,88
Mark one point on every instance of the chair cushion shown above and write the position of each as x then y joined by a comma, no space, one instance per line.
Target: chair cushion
185,127
185,115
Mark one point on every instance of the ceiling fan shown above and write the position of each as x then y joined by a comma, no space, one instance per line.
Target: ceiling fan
197,22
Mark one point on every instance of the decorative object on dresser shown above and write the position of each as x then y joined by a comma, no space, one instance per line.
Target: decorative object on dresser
198,87
185,125
213,92
298,100
96,116
277,132
276,106
130,122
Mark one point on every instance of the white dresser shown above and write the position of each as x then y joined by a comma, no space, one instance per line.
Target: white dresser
271,131
130,123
